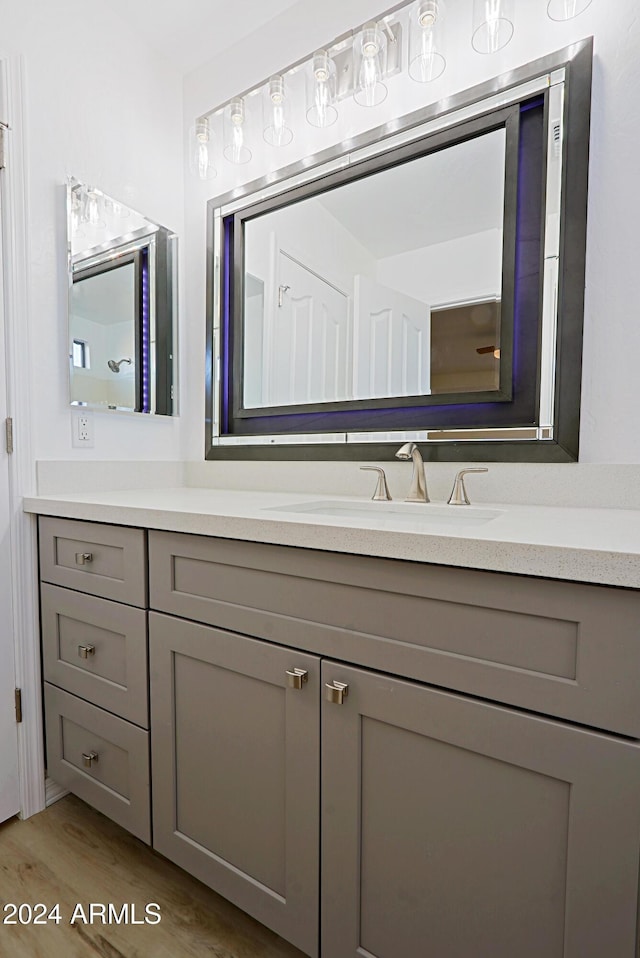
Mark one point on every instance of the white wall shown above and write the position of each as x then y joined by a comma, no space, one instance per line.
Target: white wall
610,420
101,106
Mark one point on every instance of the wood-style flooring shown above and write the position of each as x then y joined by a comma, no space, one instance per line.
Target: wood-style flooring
71,854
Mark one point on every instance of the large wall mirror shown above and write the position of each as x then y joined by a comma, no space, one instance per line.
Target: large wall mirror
428,285
122,306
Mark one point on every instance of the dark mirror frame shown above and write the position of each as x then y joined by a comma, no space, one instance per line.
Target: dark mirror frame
248,431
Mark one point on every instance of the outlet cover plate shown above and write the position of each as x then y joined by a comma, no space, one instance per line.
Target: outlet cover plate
82,430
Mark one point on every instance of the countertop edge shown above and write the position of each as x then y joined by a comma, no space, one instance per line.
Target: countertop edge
589,565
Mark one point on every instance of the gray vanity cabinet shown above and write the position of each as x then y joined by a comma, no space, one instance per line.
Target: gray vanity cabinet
453,827
235,758
468,741
93,595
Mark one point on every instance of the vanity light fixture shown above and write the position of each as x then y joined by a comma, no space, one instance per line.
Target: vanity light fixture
492,25
357,64
200,154
566,9
369,66
321,90
277,131
426,63
235,147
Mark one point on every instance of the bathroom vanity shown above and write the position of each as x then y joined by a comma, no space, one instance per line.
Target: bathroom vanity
371,755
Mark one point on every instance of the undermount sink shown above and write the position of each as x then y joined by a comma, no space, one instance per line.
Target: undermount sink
412,514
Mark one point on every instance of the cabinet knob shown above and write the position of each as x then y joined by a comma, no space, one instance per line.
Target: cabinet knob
84,651
335,692
82,558
88,758
296,678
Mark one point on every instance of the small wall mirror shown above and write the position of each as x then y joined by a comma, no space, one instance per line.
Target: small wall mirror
122,306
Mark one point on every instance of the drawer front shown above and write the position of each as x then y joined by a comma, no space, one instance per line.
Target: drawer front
96,649
559,648
101,758
107,561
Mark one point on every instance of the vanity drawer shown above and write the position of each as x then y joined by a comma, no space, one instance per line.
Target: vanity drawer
96,649
565,649
107,561
102,759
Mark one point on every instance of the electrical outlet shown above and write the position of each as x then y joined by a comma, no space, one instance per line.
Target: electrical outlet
82,430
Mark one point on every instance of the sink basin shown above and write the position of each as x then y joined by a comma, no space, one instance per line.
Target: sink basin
415,515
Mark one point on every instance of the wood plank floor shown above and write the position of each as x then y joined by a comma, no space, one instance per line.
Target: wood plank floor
72,854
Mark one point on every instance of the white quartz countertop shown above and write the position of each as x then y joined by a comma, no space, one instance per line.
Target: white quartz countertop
578,544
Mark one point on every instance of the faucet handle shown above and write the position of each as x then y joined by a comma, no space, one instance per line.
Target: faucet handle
459,495
382,493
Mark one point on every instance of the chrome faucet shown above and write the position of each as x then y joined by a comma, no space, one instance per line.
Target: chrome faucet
418,487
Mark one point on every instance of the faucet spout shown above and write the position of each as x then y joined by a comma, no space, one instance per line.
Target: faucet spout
418,488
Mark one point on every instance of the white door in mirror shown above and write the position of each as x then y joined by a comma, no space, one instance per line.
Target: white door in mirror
306,347
392,342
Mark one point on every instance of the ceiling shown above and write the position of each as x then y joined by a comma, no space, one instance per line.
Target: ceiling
441,197
191,32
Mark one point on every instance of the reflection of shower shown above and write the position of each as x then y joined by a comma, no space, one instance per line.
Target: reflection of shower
115,366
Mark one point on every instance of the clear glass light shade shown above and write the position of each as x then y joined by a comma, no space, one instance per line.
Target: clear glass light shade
277,129
76,206
566,9
492,25
236,133
369,66
200,151
426,62
321,91
93,213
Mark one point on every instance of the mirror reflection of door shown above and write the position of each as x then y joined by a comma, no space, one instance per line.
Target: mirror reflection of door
392,342
306,342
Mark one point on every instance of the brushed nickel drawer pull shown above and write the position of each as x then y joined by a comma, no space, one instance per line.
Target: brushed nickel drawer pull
335,692
82,558
296,678
84,651
88,758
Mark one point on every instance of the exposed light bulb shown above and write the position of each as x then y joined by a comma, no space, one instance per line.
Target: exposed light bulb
369,79
277,131
235,146
238,142
370,90
426,63
201,163
321,91
92,209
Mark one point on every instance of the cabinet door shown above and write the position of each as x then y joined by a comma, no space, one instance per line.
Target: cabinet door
455,828
236,770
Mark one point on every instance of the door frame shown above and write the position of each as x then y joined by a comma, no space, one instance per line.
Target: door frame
22,475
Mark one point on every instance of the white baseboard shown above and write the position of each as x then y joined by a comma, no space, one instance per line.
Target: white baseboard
53,792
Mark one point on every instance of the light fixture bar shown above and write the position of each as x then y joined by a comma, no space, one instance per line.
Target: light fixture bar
344,62
337,49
